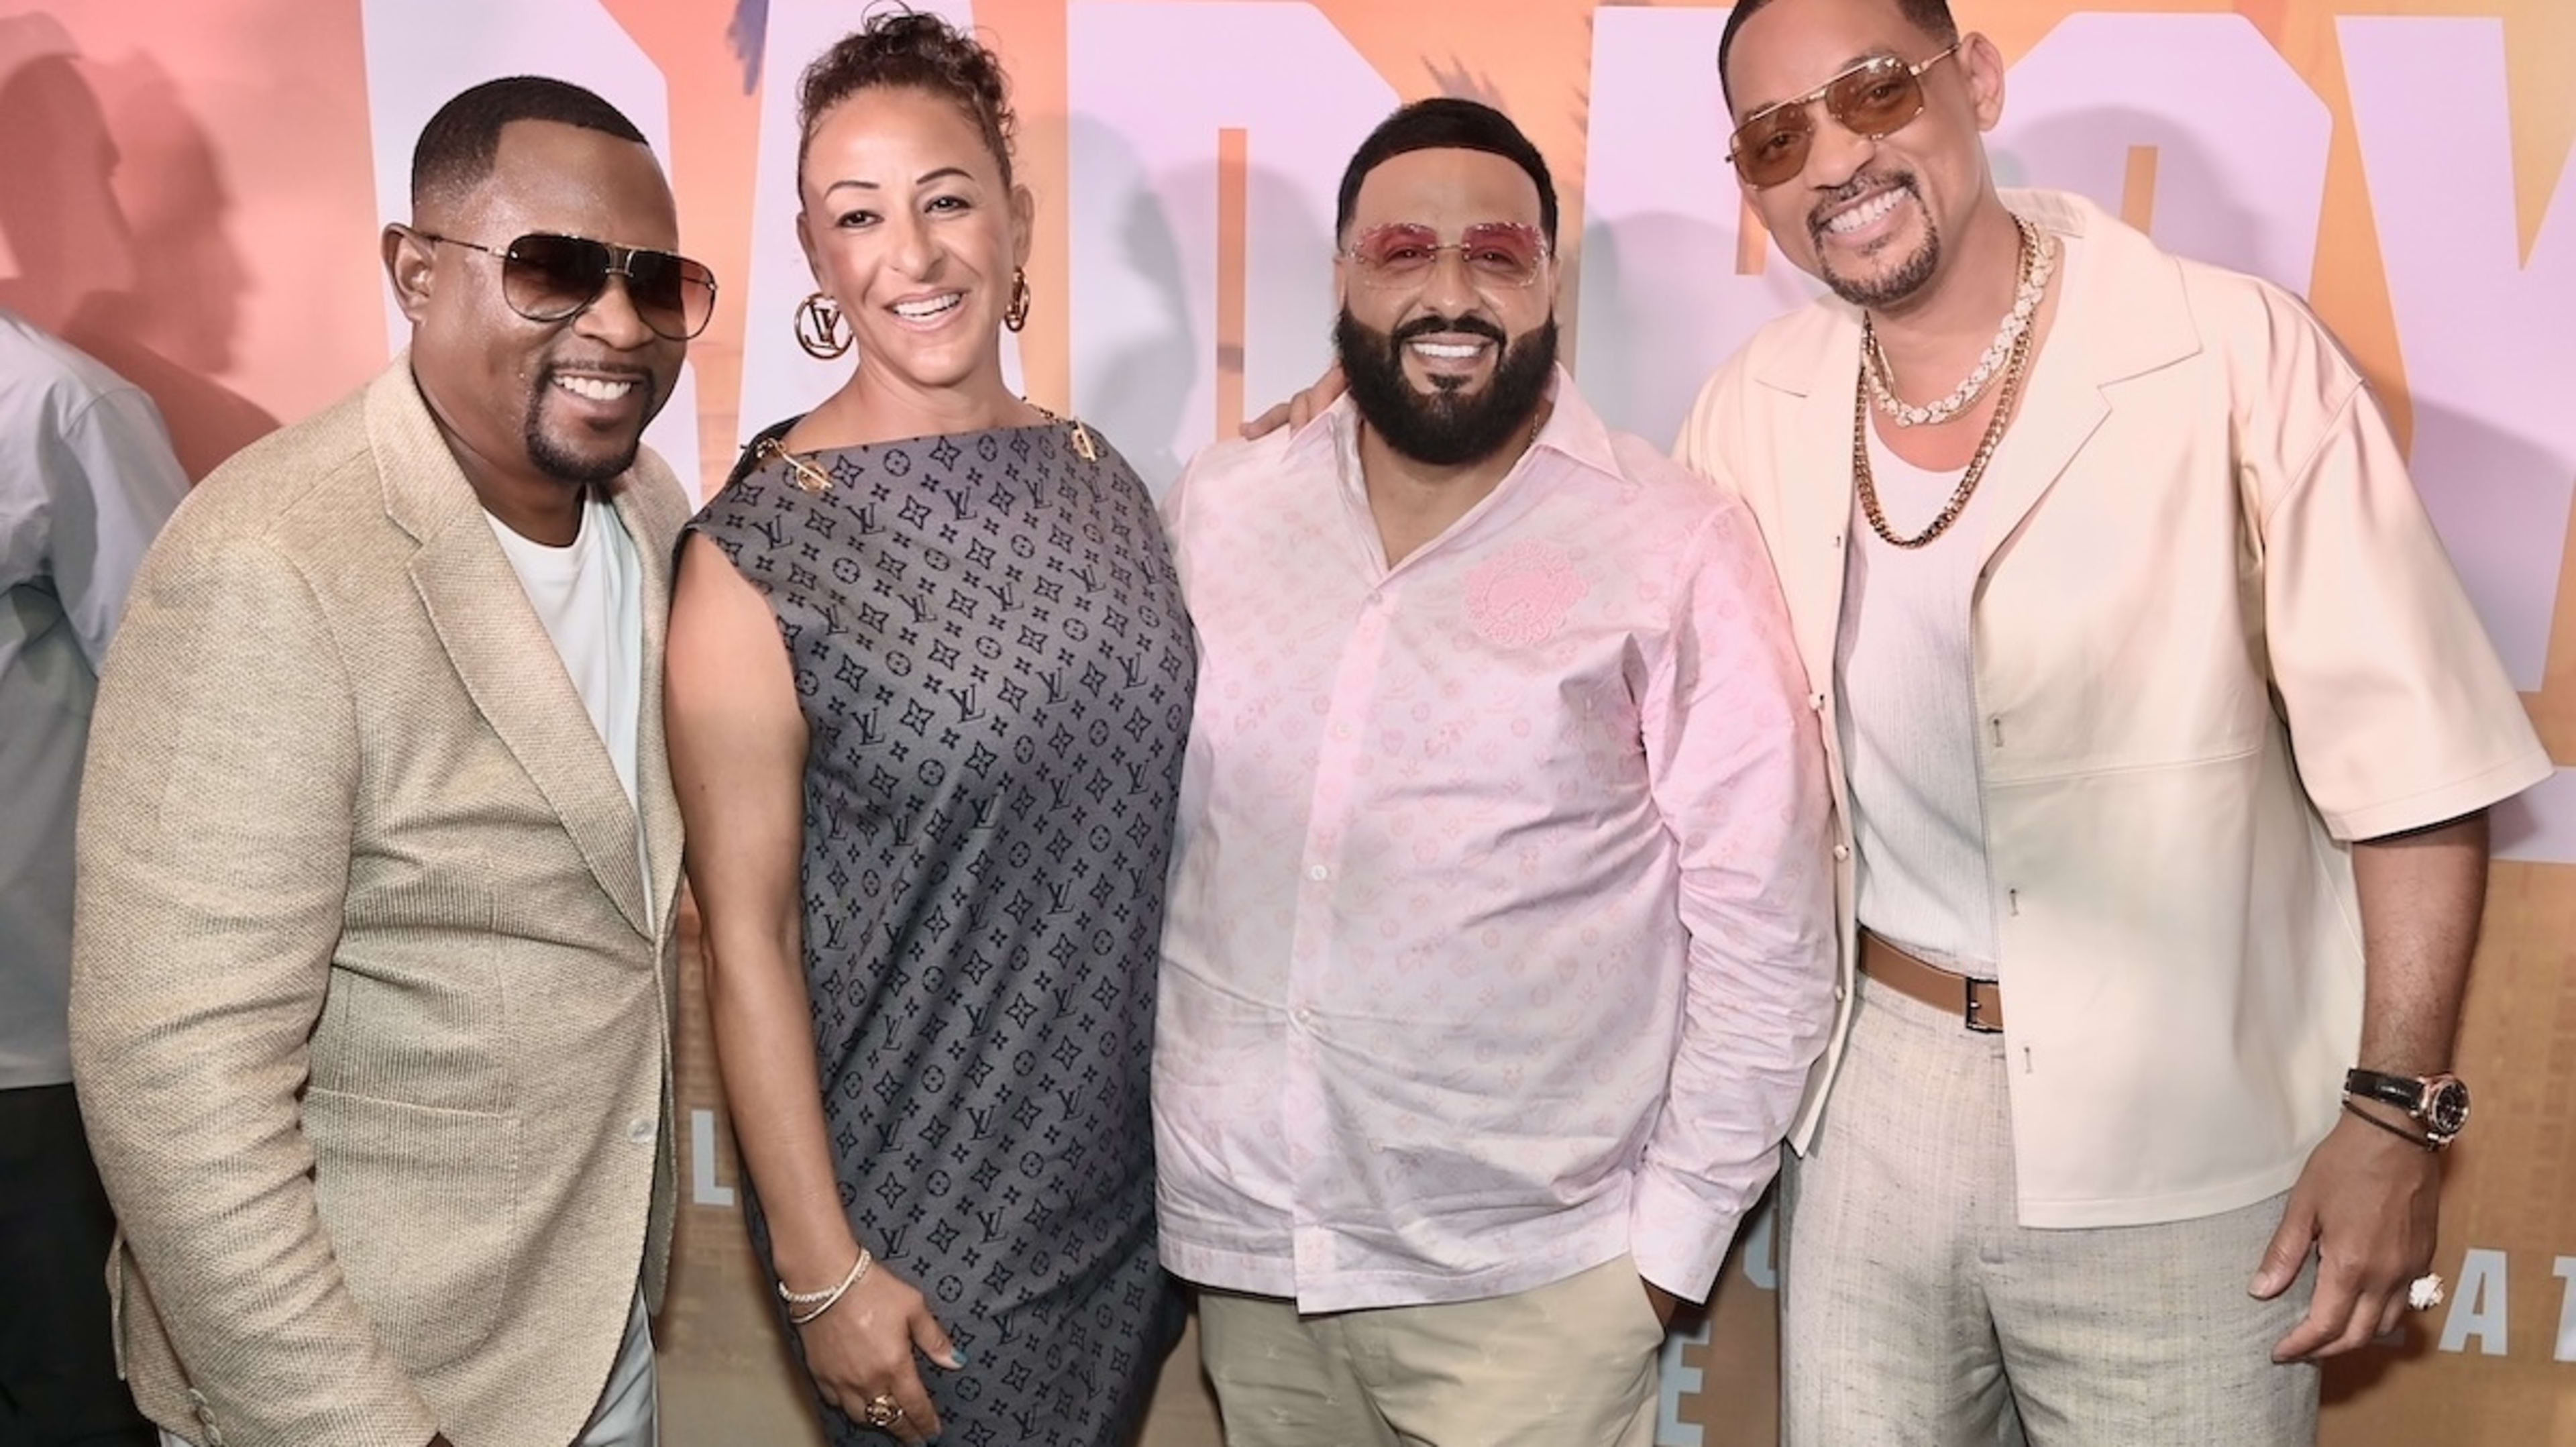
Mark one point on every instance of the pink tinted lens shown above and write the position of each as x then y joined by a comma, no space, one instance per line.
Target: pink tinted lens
1398,250
1504,251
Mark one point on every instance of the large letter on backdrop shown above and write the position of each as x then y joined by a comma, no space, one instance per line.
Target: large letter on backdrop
2495,441
1207,142
2234,176
420,55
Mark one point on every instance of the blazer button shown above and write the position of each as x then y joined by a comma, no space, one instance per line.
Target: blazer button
640,1131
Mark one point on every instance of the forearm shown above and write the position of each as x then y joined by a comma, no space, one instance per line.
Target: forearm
763,1027
2421,894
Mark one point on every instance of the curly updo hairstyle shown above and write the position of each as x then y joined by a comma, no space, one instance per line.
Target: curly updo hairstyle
915,51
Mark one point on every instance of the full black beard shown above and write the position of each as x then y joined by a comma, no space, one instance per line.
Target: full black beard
1895,286
1447,427
565,465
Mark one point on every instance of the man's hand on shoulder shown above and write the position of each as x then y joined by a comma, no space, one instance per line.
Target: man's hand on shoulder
1301,409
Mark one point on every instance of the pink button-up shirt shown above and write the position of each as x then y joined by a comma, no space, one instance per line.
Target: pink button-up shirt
1500,936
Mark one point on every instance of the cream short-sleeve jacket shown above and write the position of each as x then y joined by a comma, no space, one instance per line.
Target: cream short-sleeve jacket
2215,640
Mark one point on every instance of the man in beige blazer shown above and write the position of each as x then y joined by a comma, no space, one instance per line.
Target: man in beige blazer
2161,735
378,854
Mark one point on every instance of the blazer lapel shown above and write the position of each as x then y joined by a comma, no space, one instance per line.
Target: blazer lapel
1815,482
2121,312
498,647
642,511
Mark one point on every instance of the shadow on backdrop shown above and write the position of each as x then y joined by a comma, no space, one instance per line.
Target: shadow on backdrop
115,214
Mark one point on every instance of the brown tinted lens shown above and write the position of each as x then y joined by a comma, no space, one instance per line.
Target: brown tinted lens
547,278
1877,99
1772,147
673,294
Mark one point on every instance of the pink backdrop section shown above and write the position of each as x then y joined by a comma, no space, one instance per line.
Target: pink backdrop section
192,191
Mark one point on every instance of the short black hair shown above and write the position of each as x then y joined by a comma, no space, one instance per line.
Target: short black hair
1445,123
1932,17
456,149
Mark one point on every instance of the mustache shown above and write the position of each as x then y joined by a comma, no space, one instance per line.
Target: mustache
1425,326
1853,190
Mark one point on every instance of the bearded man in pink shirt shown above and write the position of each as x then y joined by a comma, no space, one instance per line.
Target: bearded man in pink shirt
1500,935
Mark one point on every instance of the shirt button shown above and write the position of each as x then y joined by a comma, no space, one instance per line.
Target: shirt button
1304,1015
639,1130
1840,992
1841,853
1815,703
1319,873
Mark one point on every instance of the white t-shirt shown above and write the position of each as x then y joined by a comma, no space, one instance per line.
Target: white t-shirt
590,596
1907,714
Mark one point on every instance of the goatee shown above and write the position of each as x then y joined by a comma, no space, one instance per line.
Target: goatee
1450,426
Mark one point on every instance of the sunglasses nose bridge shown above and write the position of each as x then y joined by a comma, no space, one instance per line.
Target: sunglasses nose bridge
613,314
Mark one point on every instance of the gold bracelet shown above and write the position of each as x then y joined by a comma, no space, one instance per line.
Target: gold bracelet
822,1301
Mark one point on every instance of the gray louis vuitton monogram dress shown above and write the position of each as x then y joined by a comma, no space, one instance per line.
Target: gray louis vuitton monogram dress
995,669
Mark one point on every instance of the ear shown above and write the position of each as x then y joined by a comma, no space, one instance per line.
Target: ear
1983,65
409,266
1024,221
805,243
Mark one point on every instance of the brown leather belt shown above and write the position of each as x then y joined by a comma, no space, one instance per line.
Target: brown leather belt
1980,1003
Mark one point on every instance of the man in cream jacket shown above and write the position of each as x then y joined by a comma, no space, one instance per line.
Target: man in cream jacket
2161,736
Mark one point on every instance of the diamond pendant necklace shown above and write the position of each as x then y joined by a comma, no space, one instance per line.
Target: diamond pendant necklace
2038,261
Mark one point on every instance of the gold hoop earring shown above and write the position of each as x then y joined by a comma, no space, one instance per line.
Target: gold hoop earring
818,327
1016,315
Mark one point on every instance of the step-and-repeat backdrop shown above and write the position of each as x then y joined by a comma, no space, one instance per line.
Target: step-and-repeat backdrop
191,189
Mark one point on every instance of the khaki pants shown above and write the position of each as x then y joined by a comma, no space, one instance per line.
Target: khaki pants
1916,1311
1570,1364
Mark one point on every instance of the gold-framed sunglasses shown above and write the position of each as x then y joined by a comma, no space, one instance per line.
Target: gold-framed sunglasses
549,278
1878,97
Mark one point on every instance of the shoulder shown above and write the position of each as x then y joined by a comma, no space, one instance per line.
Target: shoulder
47,385
1785,358
299,488
1235,468
2267,335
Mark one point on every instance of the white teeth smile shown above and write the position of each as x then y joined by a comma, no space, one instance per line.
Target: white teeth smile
1866,212
1447,351
927,307
597,389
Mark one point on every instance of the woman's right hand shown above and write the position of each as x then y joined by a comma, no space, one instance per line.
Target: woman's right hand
863,1349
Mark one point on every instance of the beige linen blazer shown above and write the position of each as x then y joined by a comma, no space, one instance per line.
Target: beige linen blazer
371,999
2215,640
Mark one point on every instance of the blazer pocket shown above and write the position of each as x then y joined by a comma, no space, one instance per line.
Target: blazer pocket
421,1205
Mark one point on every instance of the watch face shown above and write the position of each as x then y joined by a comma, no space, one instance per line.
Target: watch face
2446,1108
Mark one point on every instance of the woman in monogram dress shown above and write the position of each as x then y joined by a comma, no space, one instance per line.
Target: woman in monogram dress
929,684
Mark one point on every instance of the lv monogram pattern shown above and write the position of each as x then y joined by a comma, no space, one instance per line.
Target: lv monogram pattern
996,671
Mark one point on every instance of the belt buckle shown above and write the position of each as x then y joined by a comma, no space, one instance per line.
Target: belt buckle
1973,1009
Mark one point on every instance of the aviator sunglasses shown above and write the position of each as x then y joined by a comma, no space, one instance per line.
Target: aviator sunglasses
1502,254
547,278
1876,98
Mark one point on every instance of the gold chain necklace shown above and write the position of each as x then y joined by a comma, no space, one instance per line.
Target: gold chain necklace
814,479
1986,445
